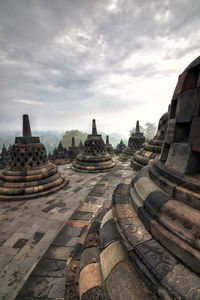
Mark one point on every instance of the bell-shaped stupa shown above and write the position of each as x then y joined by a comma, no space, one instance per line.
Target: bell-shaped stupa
73,151
29,174
81,146
109,147
59,156
94,157
134,144
120,147
152,149
4,157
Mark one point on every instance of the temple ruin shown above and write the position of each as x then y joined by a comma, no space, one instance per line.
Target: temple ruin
73,151
29,174
120,147
134,144
94,157
59,156
153,148
109,147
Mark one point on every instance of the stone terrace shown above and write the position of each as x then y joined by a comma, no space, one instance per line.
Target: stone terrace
37,236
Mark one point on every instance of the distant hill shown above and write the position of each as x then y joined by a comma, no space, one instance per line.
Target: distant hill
51,139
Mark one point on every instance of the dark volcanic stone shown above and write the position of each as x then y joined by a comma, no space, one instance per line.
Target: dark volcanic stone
20,243
96,293
156,258
50,267
81,215
155,201
108,234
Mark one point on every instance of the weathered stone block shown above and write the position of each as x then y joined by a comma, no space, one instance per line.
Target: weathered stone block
88,256
156,258
110,257
89,278
164,152
184,282
108,233
188,105
194,138
170,131
178,157
182,159
155,201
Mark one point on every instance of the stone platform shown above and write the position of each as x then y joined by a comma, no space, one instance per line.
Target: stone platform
38,236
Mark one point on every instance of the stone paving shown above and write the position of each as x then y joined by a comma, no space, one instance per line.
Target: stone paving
37,236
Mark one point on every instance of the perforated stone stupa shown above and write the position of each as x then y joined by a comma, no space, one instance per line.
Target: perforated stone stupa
109,147
73,151
4,157
81,146
120,147
134,144
153,148
94,157
59,156
29,174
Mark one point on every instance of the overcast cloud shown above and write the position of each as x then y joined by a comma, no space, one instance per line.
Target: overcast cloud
67,61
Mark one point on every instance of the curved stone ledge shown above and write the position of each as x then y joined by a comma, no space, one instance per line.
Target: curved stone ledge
154,261
152,148
37,192
93,169
20,174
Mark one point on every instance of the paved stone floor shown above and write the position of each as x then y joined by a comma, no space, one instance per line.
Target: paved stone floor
37,236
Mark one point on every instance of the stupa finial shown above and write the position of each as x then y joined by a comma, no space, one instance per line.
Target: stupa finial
94,128
73,141
26,126
137,127
107,140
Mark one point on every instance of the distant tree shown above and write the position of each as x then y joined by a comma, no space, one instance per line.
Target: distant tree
150,130
78,135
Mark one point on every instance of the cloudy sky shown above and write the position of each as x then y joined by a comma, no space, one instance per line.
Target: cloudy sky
67,61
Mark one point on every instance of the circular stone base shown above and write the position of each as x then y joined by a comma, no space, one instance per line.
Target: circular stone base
93,164
29,184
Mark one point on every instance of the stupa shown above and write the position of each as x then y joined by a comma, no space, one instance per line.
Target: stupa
94,158
29,174
59,156
120,147
109,147
134,144
159,219
151,149
73,151
4,157
81,147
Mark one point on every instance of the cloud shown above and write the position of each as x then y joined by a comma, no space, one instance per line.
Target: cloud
29,102
65,62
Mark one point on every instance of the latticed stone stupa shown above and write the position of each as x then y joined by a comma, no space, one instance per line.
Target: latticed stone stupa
4,157
73,151
81,147
109,147
134,144
29,174
151,149
94,157
59,156
120,147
